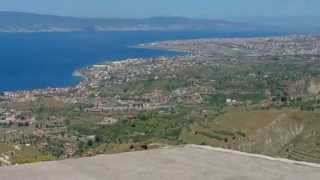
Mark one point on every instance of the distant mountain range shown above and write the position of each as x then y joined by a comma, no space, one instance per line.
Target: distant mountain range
28,22
299,24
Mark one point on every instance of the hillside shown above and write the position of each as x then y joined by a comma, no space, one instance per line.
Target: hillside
28,22
256,95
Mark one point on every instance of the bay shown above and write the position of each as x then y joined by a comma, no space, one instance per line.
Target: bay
40,60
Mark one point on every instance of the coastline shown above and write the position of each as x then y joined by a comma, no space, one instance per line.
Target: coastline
150,46
104,46
156,45
77,73
171,87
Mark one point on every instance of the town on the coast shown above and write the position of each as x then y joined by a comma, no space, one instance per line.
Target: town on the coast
257,95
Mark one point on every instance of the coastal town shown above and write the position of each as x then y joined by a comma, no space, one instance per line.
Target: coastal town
137,104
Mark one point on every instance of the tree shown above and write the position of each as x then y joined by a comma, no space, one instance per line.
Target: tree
90,143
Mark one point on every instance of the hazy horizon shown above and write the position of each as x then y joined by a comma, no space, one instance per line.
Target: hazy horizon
208,9
165,16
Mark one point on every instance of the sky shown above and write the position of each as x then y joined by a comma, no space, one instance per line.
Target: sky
213,9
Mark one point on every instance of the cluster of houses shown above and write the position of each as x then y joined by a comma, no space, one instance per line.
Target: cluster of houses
285,45
33,95
149,101
290,45
13,117
120,74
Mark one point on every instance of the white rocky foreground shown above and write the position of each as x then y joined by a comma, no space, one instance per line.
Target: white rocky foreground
180,163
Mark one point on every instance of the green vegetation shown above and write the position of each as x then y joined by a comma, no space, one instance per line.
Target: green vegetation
146,127
267,104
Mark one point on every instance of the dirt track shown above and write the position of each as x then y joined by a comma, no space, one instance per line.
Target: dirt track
187,163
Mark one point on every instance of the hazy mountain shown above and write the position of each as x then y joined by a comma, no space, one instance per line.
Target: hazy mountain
28,22
293,24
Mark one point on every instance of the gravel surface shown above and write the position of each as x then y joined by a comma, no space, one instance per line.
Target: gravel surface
179,163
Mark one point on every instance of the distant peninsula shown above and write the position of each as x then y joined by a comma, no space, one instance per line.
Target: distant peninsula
29,22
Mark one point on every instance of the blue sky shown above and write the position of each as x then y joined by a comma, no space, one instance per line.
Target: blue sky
217,9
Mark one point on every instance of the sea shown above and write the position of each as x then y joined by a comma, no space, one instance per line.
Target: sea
41,60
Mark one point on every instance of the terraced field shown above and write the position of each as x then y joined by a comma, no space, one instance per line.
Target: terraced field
287,133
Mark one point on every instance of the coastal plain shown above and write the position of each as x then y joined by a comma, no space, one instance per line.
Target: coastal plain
256,95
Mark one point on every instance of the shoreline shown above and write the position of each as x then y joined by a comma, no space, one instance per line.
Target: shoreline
151,47
143,45
78,74
156,45
179,89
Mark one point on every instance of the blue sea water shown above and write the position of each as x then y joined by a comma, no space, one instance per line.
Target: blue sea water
40,60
